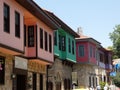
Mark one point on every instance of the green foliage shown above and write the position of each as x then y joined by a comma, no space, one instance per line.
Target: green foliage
110,47
102,84
115,37
116,79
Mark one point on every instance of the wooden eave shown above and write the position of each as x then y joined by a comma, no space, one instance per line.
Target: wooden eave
88,39
62,24
34,9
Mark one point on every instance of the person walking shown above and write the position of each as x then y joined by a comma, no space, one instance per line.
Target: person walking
105,87
98,87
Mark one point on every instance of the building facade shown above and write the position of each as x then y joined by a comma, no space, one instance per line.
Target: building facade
60,73
38,51
11,40
93,63
26,45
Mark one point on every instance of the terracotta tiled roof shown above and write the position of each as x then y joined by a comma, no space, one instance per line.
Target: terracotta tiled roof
87,38
38,12
61,23
83,37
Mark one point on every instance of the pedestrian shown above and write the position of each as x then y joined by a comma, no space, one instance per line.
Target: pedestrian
98,87
105,87
91,88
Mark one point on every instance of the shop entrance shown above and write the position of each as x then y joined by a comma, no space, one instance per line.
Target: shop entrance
21,82
58,86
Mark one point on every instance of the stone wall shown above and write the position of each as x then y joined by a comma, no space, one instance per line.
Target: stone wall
58,72
84,71
8,71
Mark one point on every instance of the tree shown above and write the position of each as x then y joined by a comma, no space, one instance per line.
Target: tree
115,37
116,79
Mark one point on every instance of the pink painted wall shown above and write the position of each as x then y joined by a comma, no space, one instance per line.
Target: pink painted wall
86,58
9,39
41,53
30,51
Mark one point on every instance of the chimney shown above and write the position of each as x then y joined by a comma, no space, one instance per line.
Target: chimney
80,31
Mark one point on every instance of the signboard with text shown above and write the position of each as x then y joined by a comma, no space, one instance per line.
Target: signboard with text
36,67
21,63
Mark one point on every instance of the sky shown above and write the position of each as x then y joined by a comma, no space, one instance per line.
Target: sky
96,17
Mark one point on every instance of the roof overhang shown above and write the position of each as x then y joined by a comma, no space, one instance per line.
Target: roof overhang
62,24
89,40
10,50
34,9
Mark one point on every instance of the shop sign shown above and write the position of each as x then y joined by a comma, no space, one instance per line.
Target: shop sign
74,77
21,63
36,67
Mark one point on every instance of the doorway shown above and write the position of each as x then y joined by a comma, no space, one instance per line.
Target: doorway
58,86
21,82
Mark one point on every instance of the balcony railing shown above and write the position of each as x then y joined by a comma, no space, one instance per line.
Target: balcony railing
101,64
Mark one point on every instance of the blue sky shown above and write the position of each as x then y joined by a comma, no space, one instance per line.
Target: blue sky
96,17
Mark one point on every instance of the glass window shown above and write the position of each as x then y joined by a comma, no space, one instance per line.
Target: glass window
63,43
50,43
30,36
60,47
73,52
94,52
24,35
81,51
91,51
17,24
46,40
6,18
55,38
41,38
69,45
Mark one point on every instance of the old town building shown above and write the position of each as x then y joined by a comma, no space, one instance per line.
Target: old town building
93,62
38,51
60,73
26,45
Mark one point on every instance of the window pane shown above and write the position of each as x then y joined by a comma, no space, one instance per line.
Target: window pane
50,43
46,41
24,35
41,38
69,45
55,37
73,52
91,51
81,51
30,36
17,24
60,42
63,43
6,18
